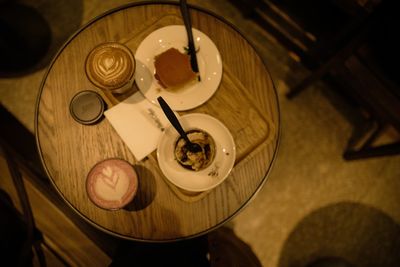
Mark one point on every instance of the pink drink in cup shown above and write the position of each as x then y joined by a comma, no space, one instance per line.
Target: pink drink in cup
112,183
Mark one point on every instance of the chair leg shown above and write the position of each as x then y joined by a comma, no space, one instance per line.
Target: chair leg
317,75
366,149
337,58
369,152
34,237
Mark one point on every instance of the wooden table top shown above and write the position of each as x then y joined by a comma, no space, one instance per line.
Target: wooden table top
246,102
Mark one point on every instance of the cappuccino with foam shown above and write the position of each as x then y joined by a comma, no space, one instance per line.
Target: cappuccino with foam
110,66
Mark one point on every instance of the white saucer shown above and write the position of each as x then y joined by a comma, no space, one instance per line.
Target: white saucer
213,175
209,61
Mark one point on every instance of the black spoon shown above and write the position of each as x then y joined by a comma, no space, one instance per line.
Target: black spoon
188,26
192,147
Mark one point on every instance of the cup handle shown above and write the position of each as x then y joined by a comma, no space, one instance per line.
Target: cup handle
109,98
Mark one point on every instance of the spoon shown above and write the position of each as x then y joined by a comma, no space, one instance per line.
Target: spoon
188,26
192,147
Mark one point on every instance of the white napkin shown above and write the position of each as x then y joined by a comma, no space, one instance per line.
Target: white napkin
138,122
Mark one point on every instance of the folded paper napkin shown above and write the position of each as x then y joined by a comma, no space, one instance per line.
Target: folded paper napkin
139,123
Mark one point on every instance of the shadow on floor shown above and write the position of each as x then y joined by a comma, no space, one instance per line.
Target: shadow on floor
219,248
360,235
227,249
32,33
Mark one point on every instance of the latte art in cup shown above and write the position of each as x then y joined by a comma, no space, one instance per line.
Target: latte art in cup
111,66
111,184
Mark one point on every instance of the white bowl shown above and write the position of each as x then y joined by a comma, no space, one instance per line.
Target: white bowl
205,179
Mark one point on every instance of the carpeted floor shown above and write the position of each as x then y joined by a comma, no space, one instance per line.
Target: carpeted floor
315,204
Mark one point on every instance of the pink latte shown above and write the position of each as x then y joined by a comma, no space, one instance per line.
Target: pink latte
112,184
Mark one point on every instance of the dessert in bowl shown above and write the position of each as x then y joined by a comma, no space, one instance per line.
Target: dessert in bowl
203,170
197,160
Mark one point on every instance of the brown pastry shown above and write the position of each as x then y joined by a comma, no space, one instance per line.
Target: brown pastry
173,69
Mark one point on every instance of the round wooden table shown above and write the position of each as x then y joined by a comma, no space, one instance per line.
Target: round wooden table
246,102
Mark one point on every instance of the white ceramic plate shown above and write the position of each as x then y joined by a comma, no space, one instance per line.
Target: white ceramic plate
213,175
209,61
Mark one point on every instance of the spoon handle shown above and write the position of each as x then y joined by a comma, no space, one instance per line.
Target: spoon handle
188,25
172,118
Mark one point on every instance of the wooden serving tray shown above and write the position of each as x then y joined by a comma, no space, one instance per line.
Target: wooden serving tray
231,104
234,107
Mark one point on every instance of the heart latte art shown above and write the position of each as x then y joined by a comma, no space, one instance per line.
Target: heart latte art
112,183
110,66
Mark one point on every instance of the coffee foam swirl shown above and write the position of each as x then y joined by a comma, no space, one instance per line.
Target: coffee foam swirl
110,66
111,184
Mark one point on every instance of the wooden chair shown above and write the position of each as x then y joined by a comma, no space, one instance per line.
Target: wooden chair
19,148
326,36
20,226
310,30
355,69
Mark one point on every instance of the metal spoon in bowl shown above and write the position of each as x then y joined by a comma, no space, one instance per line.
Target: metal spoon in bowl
192,147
